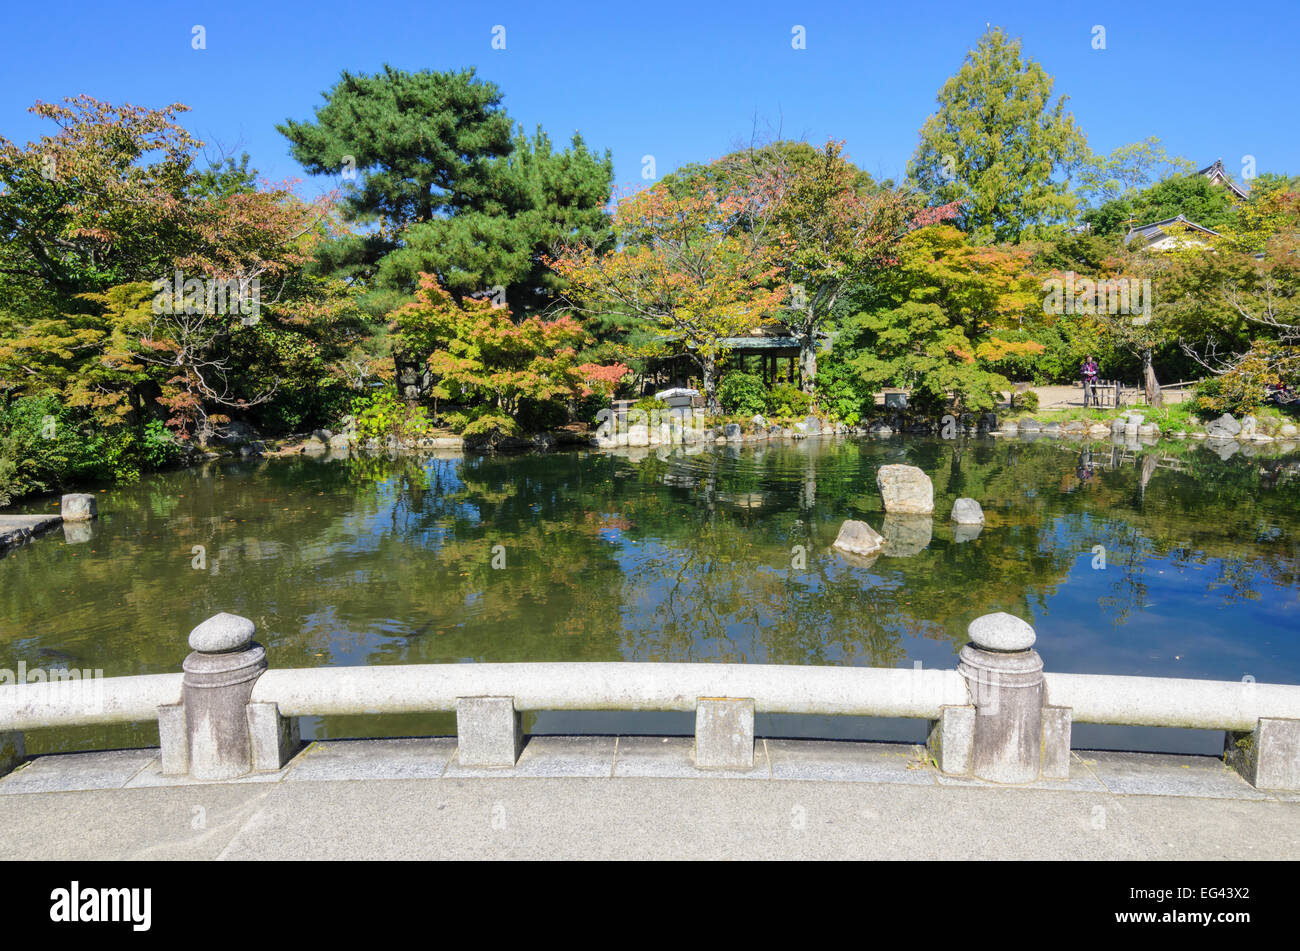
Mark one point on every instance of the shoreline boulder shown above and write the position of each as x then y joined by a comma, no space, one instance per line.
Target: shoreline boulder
1225,427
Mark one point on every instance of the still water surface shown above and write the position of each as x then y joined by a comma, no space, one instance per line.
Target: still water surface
719,555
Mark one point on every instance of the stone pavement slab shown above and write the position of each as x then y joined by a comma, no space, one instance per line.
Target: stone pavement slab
674,757
550,757
112,769
575,797
424,758
850,762
1158,774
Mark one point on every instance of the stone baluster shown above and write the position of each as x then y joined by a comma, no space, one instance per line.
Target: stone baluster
215,732
1005,734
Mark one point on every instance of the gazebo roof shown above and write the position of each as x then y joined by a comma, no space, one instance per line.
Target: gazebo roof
772,342
770,337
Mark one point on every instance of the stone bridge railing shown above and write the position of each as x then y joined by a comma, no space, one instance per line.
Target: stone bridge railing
997,716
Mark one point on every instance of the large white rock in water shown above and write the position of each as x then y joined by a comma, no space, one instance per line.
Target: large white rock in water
1001,632
967,512
906,490
858,538
79,507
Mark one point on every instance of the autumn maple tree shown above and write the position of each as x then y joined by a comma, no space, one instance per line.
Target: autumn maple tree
480,357
828,227
684,265
101,220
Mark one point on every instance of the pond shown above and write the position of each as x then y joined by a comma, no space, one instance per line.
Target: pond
1166,562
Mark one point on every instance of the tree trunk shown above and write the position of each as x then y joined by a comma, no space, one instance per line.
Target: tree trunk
1149,382
709,367
808,360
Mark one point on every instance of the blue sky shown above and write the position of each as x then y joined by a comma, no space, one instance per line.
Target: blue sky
679,81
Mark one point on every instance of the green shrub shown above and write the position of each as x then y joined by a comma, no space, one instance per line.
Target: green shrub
383,413
159,446
742,393
1237,393
1027,401
534,416
46,447
1241,390
785,399
487,427
648,403
841,391
297,409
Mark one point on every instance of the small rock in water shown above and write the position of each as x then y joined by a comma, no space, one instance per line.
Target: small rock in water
967,512
79,507
858,538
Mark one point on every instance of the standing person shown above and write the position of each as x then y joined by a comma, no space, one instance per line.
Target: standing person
1089,373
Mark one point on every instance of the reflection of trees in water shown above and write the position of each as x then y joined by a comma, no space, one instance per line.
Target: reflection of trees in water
1191,510
381,560
1127,550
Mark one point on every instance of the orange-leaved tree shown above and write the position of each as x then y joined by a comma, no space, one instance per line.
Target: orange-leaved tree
684,264
480,357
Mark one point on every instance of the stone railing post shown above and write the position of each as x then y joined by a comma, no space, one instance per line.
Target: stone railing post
12,751
1269,756
489,732
1010,738
215,733
724,733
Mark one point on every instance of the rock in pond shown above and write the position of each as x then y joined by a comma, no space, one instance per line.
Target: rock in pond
967,512
858,538
78,507
906,490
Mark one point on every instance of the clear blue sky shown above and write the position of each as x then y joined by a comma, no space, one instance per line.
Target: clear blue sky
679,81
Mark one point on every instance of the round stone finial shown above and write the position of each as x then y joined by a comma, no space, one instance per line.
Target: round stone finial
222,633
1001,632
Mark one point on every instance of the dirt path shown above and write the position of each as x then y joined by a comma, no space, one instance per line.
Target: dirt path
1063,397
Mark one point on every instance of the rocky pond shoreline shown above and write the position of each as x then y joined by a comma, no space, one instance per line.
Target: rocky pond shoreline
1225,435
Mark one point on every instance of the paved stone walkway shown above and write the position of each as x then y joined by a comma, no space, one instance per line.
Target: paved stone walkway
16,529
1064,397
637,797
